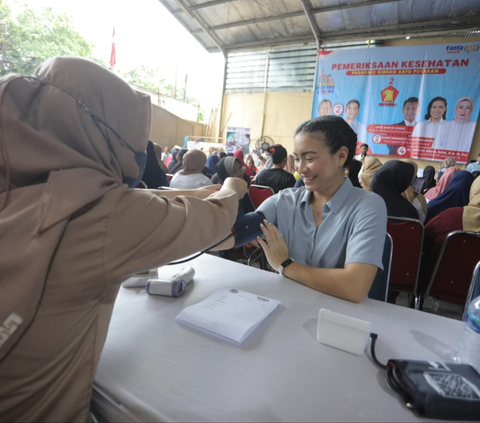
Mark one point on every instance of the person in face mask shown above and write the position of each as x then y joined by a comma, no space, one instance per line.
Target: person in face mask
72,147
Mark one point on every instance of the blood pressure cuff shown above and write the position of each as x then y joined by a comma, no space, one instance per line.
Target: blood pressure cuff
446,391
247,228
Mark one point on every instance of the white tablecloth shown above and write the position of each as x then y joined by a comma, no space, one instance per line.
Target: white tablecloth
154,369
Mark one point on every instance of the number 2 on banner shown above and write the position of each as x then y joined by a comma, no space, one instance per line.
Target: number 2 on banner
338,109
391,81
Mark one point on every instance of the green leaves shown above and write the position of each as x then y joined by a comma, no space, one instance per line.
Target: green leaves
28,37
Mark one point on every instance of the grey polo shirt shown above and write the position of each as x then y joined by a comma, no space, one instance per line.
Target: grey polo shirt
353,228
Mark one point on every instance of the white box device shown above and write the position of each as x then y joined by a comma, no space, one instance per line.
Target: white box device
173,287
343,332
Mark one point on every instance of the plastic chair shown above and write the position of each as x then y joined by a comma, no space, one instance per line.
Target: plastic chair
474,290
451,278
259,193
379,289
407,236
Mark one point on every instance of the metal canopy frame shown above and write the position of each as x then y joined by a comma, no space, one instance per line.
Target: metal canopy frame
302,21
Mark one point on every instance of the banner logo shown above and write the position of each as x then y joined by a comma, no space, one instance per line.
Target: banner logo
471,49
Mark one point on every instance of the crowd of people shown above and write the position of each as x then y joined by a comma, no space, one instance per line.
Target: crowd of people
73,226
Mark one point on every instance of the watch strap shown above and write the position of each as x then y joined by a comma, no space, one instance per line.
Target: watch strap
285,264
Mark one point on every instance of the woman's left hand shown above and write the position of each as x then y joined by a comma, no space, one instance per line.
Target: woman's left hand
274,246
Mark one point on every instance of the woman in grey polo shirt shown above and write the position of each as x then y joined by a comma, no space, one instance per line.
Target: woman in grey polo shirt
327,235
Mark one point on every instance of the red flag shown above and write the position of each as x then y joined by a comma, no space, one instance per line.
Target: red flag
113,57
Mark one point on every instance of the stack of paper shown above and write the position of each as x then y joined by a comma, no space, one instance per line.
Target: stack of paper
228,313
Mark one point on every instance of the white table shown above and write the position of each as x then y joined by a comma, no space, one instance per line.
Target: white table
154,369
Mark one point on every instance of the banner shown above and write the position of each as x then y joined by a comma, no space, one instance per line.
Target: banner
419,102
237,139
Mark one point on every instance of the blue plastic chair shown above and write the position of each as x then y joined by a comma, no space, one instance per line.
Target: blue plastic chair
379,289
474,290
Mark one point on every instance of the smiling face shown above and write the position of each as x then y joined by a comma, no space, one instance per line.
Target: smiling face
463,111
321,171
437,110
410,111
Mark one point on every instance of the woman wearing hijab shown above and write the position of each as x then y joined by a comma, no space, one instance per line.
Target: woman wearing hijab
428,179
416,199
442,184
370,167
154,176
453,219
177,167
456,195
212,161
72,144
390,181
171,159
232,167
239,155
159,154
353,171
447,162
459,131
191,175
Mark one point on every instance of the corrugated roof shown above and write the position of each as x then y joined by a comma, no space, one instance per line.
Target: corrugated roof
230,25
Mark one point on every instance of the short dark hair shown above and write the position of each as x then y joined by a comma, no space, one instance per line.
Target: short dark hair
410,100
433,100
364,145
334,131
278,153
353,101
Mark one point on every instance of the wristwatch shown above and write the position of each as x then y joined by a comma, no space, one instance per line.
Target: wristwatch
285,264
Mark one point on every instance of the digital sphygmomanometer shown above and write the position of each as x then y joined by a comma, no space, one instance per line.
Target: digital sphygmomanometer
170,287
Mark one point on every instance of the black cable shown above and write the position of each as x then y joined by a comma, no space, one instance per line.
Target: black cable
204,251
374,337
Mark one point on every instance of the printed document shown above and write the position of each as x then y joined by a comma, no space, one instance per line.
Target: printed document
229,313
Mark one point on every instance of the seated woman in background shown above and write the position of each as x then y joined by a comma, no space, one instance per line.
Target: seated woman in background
370,167
251,164
171,158
239,155
191,175
453,219
428,179
178,165
231,167
154,176
390,181
159,153
330,234
276,177
212,161
416,199
447,163
442,184
456,195
71,230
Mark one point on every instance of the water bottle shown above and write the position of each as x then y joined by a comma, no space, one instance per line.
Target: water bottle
469,348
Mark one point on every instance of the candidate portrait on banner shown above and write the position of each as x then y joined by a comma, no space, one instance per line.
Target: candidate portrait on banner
419,102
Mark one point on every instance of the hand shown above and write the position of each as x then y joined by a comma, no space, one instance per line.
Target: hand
274,246
236,184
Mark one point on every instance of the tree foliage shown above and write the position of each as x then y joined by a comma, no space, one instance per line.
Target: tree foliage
29,37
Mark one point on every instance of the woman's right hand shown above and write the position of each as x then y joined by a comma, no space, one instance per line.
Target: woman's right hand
236,184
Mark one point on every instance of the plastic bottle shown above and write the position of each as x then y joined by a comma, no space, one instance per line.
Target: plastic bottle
469,348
